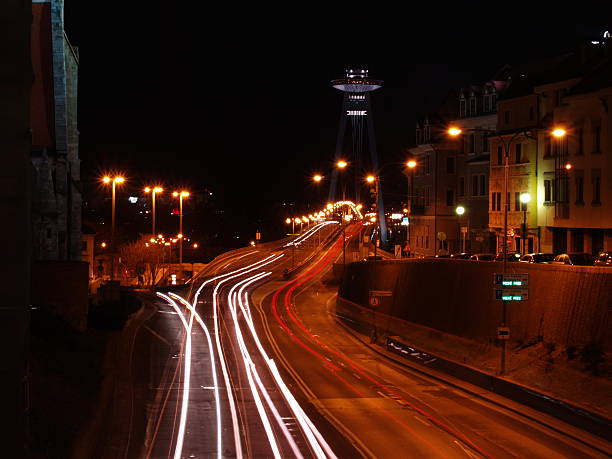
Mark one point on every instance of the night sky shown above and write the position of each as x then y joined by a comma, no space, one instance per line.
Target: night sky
240,101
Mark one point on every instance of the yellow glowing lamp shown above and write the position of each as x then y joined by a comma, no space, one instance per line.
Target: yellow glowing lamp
454,131
411,164
559,132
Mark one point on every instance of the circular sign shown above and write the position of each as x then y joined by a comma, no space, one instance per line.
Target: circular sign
374,301
441,236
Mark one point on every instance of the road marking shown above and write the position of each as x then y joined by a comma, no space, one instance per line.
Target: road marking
157,335
423,421
467,451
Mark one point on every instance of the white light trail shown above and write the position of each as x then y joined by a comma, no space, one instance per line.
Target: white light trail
309,233
186,379
314,437
192,309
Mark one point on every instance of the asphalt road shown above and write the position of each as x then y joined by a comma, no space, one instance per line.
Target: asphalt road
263,369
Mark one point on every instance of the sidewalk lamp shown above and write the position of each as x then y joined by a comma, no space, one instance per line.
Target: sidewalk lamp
524,198
460,210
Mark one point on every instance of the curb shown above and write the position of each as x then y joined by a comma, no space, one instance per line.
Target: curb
405,354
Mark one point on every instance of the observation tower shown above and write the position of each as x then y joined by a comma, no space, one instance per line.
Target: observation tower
357,86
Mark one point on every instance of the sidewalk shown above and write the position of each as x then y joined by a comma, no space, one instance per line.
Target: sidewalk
551,387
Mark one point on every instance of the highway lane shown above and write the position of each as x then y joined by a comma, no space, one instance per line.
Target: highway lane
383,408
248,411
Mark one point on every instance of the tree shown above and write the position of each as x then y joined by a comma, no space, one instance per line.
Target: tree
145,258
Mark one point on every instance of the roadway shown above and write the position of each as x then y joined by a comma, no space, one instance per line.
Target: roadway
245,364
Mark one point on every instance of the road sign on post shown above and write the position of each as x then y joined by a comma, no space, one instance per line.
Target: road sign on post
511,280
503,332
512,294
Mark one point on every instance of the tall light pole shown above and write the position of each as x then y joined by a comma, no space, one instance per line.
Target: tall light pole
153,192
114,180
180,195
411,165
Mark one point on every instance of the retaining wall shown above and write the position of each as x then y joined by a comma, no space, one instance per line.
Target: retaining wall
568,305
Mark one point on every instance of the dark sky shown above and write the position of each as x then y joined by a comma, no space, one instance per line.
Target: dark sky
240,102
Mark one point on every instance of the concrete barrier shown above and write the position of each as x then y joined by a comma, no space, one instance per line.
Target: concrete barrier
567,305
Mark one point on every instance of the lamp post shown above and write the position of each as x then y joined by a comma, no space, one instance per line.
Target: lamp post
292,222
525,198
114,180
411,165
180,195
460,210
153,192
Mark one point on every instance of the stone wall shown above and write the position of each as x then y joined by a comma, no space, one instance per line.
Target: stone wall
568,305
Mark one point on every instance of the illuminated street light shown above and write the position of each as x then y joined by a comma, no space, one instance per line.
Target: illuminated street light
103,245
411,164
181,195
454,131
341,164
559,132
568,166
115,180
524,198
460,210
370,179
153,192
317,178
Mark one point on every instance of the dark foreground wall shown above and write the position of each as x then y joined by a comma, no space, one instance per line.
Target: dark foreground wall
567,305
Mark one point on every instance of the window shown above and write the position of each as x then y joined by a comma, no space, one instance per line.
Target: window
579,177
496,200
500,155
597,139
483,185
486,103
474,185
450,198
450,165
508,202
517,200
493,103
462,108
531,113
580,141
471,142
472,106
427,195
486,144
426,134
48,233
427,241
518,153
596,180
461,187
548,191
84,246
547,147
507,117
418,137
427,162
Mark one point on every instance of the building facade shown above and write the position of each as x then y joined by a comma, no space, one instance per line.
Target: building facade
56,203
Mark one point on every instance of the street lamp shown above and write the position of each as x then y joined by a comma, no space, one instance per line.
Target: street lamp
524,198
114,180
180,195
153,192
411,165
460,210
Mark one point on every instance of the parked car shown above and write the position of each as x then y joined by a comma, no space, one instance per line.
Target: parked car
461,256
604,259
483,257
578,259
509,256
545,258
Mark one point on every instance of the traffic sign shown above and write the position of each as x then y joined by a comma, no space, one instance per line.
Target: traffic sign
512,294
511,280
381,293
503,333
